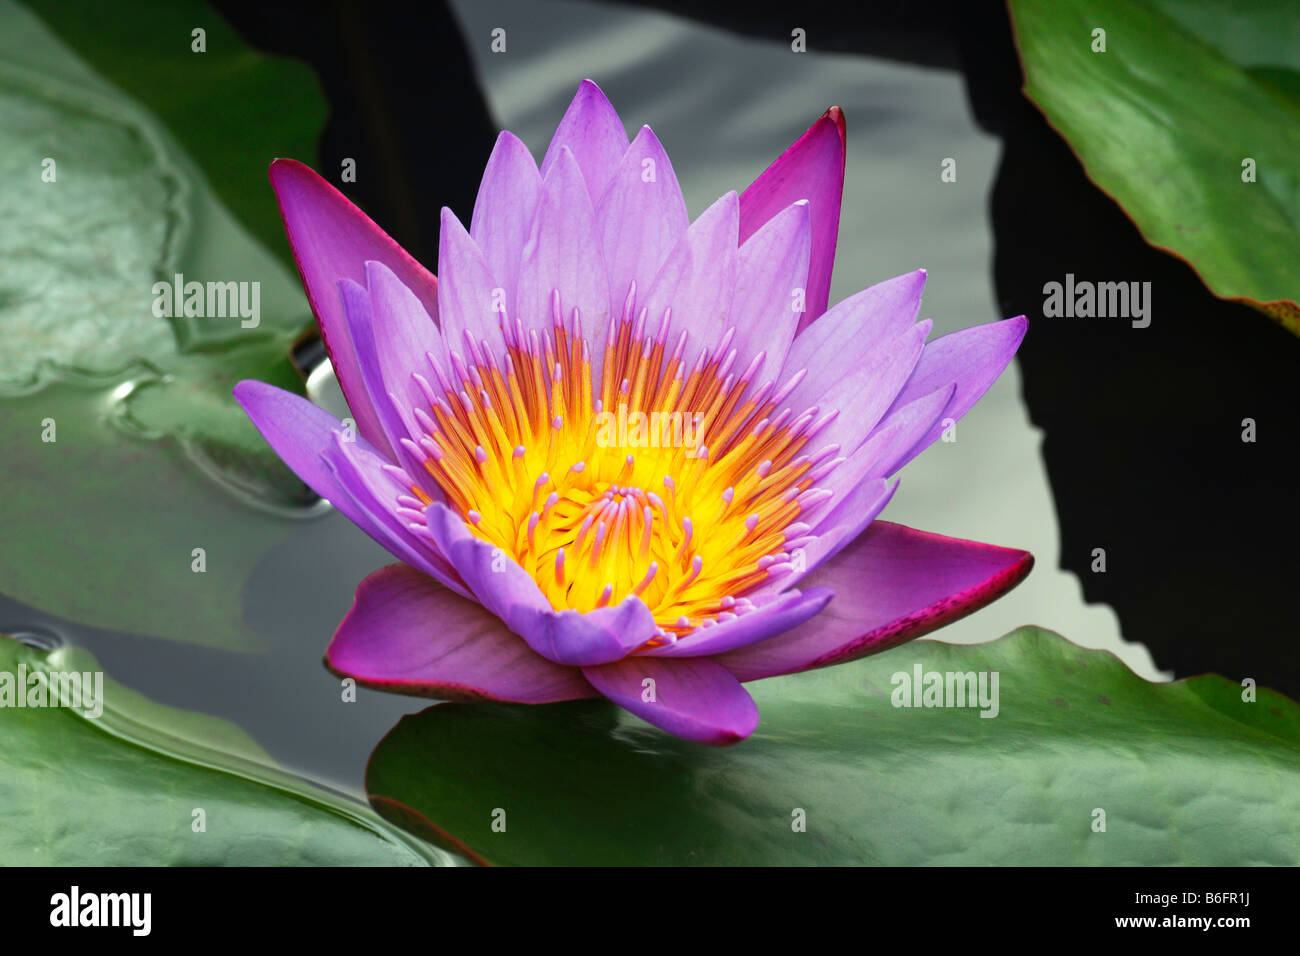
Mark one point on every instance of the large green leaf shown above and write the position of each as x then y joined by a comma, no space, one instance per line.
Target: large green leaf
123,556
1162,121
231,108
140,405
78,790
1186,772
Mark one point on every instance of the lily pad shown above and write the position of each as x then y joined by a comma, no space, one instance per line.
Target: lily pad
147,50
1165,120
82,790
1181,773
125,451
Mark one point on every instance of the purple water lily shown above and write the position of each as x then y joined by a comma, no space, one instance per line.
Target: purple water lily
621,453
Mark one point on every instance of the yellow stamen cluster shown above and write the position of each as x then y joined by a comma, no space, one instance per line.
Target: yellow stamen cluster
677,485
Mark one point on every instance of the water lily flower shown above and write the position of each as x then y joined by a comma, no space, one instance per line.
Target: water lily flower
622,453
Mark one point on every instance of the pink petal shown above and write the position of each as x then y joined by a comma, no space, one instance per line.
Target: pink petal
772,616
504,210
892,584
493,576
861,323
304,437
860,384
331,240
772,265
813,169
698,280
878,456
856,510
469,295
889,445
563,253
639,221
592,131
973,358
405,634
392,334
566,637
371,483
692,698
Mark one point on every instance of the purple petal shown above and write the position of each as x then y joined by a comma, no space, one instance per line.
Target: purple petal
392,334
892,584
861,385
811,168
507,590
640,218
504,210
369,480
772,616
862,322
495,578
973,358
298,432
843,525
879,454
302,435
693,698
405,334
593,132
698,280
405,634
772,267
470,298
562,253
331,240
888,447
582,638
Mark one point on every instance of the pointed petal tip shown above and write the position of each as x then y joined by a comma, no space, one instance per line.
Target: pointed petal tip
283,168
1018,327
836,116
729,204
590,91
252,392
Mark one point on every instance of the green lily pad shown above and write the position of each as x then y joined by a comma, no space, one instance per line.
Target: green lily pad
1163,120
125,451
112,789
1186,773
127,556
147,51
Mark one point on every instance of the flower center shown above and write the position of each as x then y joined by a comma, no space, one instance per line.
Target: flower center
682,486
